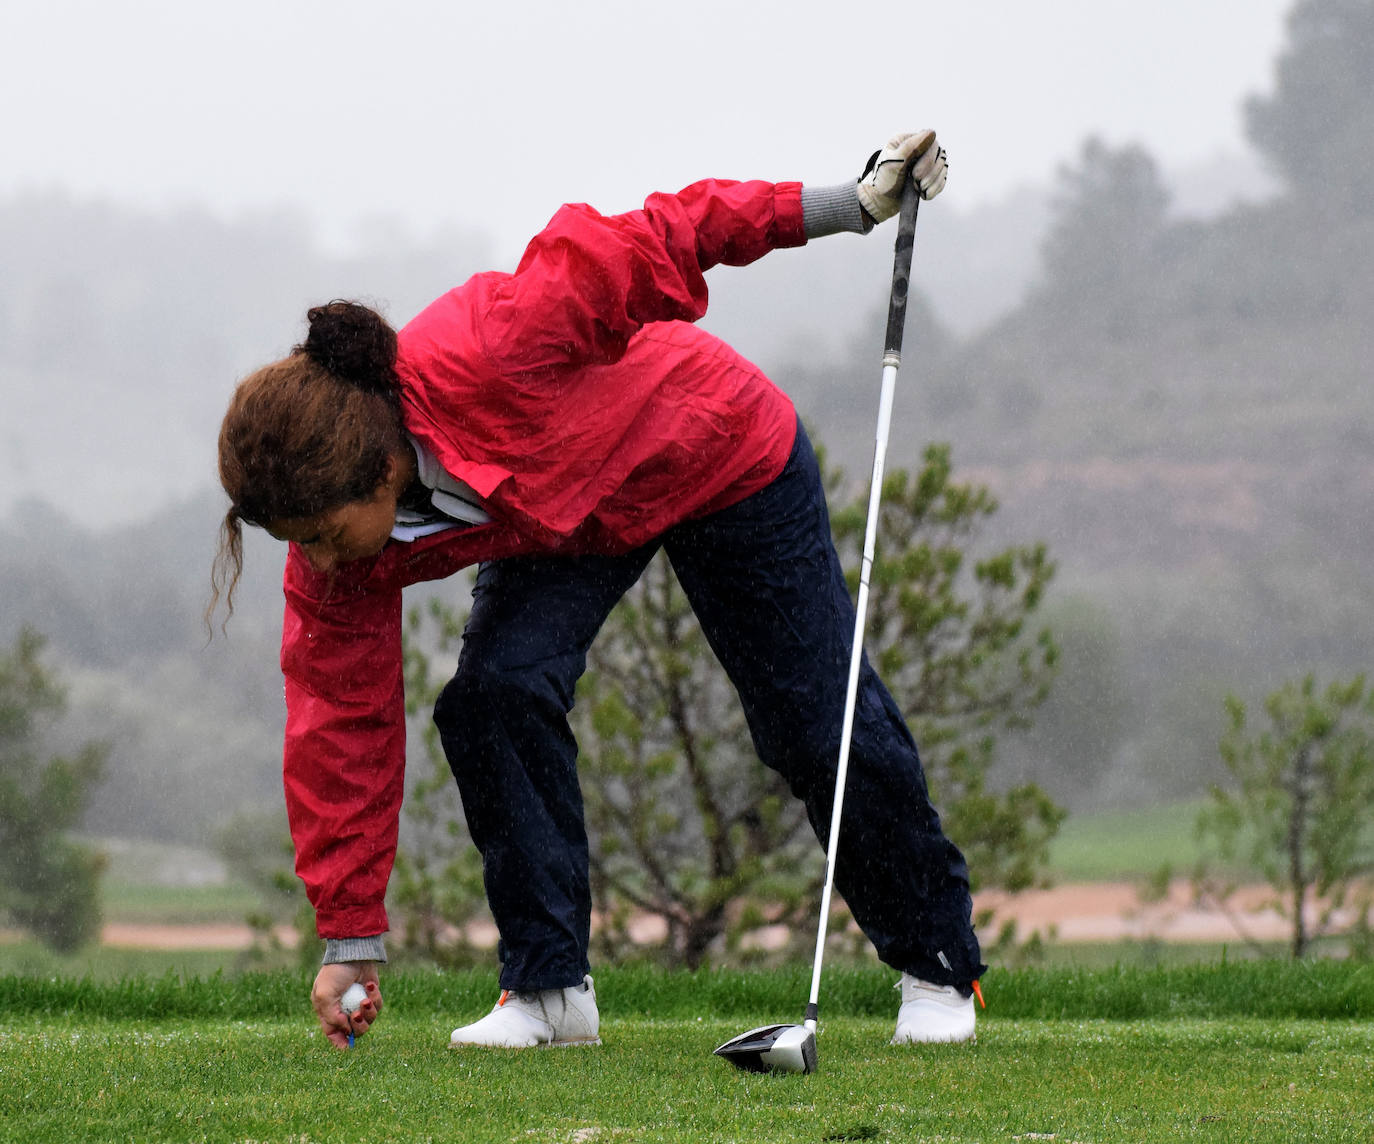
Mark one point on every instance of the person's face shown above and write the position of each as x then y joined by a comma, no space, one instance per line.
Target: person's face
350,532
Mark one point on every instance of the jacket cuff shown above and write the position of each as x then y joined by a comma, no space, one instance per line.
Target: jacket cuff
833,209
337,949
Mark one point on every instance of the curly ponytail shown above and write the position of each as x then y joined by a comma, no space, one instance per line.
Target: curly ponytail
309,433
354,344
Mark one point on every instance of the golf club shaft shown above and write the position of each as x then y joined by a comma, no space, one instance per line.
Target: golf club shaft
892,354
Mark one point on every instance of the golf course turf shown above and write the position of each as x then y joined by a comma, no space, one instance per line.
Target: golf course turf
1247,1052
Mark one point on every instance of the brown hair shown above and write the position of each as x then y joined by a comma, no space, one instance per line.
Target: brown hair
309,433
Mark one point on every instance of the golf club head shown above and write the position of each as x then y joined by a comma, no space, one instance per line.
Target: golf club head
772,1048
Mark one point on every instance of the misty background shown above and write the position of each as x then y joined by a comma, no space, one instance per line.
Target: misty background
1141,314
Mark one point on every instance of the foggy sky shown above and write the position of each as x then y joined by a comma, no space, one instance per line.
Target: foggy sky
487,116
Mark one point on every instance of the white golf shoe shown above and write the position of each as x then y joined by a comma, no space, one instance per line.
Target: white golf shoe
538,1019
932,1014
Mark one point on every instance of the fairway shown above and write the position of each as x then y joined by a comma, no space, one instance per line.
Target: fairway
171,1061
1234,1080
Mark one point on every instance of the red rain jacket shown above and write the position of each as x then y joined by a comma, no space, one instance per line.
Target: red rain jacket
575,398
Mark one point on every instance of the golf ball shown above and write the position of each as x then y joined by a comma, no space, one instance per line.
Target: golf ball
353,997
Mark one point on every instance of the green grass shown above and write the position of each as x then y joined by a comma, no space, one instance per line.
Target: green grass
1241,1081
1257,1052
1124,845
177,905
28,958
1154,953
1266,989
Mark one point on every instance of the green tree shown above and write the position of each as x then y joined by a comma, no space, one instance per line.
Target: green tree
1317,127
686,826
48,884
949,633
1302,799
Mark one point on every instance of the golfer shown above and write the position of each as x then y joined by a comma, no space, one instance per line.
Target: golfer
557,426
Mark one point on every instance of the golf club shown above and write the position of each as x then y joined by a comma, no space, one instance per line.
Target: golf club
792,1048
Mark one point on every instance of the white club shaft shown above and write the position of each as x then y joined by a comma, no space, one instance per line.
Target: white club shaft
891,361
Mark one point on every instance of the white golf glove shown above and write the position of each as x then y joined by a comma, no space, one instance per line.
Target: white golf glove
880,186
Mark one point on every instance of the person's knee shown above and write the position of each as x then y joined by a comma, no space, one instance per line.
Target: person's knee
482,691
474,688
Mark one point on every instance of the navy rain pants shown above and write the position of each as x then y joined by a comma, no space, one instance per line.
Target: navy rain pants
765,582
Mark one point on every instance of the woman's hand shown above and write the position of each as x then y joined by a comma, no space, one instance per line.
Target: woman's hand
880,188
330,985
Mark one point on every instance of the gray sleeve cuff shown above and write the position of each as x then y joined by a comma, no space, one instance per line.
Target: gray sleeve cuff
338,949
830,210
